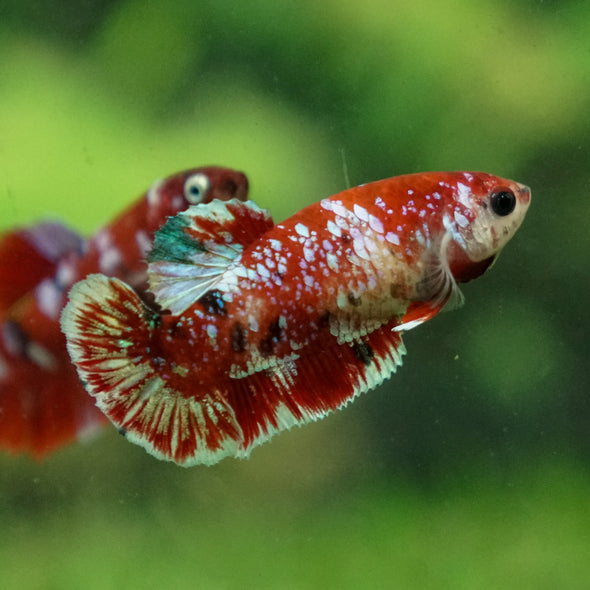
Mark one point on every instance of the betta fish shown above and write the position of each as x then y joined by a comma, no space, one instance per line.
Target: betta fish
259,327
43,405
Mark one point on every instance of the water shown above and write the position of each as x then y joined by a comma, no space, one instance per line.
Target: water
470,467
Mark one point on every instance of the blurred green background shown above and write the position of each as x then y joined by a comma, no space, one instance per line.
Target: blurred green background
470,468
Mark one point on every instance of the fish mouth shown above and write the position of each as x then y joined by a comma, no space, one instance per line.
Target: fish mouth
524,194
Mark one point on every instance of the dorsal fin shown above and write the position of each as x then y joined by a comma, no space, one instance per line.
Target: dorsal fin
193,249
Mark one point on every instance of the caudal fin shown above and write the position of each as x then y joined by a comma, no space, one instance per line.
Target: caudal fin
109,335
43,406
27,256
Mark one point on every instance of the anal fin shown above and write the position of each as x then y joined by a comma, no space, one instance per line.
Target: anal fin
324,379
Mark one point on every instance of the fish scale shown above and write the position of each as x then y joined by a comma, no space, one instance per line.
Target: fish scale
263,327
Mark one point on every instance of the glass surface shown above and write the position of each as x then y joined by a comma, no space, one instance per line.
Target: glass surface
470,467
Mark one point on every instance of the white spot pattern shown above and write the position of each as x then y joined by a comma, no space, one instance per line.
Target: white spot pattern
143,241
50,298
302,230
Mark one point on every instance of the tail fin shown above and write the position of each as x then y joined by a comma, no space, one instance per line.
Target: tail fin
27,256
42,403
109,335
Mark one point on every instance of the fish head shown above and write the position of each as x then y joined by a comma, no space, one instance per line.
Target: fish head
485,213
176,193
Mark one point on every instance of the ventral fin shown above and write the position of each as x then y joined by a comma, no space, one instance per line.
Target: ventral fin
193,249
437,290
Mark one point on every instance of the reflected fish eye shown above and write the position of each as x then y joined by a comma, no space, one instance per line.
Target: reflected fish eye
196,188
503,202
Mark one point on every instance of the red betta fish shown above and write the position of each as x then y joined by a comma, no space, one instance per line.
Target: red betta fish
270,326
39,250
43,405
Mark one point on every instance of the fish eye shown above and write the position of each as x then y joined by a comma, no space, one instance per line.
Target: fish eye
503,202
196,188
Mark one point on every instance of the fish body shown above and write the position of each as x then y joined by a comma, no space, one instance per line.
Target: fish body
43,405
259,327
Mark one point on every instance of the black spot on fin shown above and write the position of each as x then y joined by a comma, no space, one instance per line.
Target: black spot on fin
213,303
363,352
